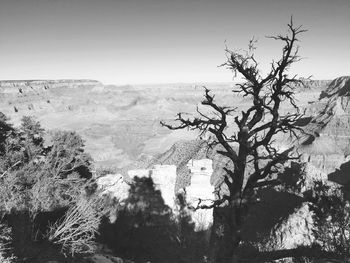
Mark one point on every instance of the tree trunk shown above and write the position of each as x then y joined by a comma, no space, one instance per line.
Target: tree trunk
225,237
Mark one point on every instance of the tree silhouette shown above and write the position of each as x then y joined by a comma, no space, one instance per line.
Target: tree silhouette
252,147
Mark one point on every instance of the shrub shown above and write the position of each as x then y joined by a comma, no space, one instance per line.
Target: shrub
5,129
76,231
332,217
66,155
43,180
35,177
50,193
32,131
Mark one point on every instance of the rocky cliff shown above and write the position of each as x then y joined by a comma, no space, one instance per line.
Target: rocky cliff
327,143
40,97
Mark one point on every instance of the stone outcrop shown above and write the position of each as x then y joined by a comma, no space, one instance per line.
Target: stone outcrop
114,185
164,179
200,191
292,232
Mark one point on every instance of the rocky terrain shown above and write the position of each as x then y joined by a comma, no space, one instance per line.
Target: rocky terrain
326,147
120,125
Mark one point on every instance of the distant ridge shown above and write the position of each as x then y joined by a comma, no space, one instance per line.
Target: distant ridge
334,118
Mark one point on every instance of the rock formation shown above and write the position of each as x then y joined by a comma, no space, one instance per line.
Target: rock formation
292,232
327,144
164,179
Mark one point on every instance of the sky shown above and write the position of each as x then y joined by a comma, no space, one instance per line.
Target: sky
164,41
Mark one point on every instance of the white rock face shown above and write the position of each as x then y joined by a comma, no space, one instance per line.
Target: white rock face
164,178
200,187
114,185
138,173
201,190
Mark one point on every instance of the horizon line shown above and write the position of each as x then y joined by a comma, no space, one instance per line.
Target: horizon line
138,83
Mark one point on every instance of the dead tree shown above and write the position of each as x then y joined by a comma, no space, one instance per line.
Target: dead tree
253,144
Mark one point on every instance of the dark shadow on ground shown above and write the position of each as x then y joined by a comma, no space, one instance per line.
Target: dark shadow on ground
145,230
266,214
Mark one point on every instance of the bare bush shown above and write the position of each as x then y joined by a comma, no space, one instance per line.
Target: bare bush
76,231
50,193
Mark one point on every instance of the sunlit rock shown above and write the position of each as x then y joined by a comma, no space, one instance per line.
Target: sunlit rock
164,178
200,188
139,173
114,185
200,191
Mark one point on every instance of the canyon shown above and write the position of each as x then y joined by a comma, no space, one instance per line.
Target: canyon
120,126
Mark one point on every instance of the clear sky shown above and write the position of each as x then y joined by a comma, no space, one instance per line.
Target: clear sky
163,41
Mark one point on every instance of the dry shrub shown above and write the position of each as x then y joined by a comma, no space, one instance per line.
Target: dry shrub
50,193
76,231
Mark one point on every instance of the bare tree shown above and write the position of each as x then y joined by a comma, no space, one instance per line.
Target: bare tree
252,148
